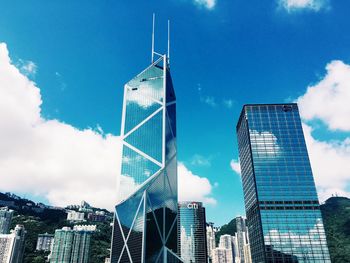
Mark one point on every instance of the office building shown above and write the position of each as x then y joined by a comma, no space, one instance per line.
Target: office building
145,223
12,245
71,246
192,245
283,214
44,242
5,220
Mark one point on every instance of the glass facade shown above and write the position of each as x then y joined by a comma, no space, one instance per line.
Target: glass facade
192,245
145,228
283,213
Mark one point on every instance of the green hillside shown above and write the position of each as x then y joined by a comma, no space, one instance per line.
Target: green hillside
39,220
336,217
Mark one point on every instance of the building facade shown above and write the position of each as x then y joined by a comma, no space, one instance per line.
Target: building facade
283,213
44,242
70,246
210,240
5,220
242,240
12,245
145,223
222,255
192,243
75,216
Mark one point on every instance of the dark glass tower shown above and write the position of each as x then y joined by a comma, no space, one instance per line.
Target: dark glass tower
283,213
145,228
192,238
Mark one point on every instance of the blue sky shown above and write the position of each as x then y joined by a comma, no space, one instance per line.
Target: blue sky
223,54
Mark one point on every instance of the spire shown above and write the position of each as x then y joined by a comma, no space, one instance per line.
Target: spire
153,42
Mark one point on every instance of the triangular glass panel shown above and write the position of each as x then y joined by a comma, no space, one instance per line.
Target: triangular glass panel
170,141
171,172
170,93
148,138
136,167
171,115
126,211
135,236
154,241
149,82
125,257
171,242
138,108
118,242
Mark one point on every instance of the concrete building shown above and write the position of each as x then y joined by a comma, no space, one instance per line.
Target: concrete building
75,216
5,220
44,242
12,245
222,255
210,240
70,246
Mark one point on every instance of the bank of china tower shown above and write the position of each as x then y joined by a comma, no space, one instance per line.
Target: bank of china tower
145,227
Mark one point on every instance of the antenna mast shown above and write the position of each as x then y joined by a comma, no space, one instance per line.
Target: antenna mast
154,18
168,42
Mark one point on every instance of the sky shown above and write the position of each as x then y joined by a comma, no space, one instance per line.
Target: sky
63,65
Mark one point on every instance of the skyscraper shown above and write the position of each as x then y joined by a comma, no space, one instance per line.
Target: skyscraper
71,246
44,242
145,228
192,245
283,213
5,220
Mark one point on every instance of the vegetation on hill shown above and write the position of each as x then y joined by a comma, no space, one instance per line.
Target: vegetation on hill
228,229
336,217
46,220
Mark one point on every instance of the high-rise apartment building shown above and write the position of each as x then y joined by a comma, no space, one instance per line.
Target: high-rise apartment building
71,246
222,255
44,242
242,240
283,214
5,220
192,239
210,239
12,245
145,228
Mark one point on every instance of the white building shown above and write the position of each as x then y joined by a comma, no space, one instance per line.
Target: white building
45,242
90,228
12,245
222,255
75,216
210,239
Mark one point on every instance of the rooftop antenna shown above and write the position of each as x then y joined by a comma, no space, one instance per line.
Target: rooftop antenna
168,42
154,18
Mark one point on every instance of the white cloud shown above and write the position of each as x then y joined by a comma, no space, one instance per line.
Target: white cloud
194,187
208,100
330,162
297,5
55,160
235,166
228,103
209,4
28,68
199,160
329,100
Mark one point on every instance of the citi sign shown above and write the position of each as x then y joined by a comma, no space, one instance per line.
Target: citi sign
192,206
